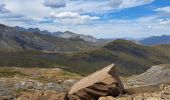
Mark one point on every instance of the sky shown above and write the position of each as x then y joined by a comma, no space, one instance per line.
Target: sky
99,18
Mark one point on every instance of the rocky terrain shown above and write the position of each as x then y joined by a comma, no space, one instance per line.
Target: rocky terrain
54,83
155,75
14,81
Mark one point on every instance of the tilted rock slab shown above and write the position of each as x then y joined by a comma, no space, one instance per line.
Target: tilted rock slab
101,83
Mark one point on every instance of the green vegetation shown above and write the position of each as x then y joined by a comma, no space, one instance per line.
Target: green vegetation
18,91
11,74
131,58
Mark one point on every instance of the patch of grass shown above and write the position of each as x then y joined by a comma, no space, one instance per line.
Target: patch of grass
18,91
11,74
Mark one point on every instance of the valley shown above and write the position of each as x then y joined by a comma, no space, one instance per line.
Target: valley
84,50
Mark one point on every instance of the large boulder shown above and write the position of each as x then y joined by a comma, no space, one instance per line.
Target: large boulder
101,83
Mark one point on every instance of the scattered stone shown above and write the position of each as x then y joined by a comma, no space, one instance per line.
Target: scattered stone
152,98
60,81
107,98
41,95
101,83
67,84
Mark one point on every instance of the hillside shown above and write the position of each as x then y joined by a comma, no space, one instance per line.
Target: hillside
130,57
155,75
156,40
13,40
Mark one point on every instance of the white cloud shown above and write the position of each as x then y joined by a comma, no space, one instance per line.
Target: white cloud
55,3
72,18
132,3
124,28
164,9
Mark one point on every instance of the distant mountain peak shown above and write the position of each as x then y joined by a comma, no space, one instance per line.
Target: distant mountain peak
66,34
156,40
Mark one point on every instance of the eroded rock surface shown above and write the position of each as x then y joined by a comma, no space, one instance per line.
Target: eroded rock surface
101,83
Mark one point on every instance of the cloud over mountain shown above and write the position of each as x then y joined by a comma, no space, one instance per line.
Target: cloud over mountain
100,18
72,17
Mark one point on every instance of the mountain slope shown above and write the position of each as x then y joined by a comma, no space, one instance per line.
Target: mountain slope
131,58
13,40
155,75
156,40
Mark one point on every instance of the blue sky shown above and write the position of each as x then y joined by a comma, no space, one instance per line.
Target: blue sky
99,18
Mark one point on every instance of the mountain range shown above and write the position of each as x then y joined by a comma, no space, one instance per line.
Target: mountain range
153,40
66,34
156,40
22,47
13,39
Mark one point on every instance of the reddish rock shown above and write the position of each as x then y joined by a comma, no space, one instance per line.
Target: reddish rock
101,83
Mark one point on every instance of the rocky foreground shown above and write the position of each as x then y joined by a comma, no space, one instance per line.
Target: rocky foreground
55,84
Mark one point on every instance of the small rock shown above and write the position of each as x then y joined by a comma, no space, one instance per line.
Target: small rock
107,98
41,95
152,98
60,81
138,97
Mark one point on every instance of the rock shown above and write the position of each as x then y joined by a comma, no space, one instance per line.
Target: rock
41,95
125,98
107,98
101,83
138,97
55,87
152,98
60,81
67,84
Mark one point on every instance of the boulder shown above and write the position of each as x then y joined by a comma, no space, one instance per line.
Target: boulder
104,82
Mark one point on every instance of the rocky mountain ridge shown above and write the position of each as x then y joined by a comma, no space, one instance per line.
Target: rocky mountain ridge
13,40
66,34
